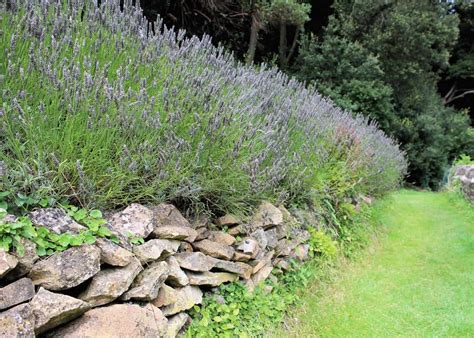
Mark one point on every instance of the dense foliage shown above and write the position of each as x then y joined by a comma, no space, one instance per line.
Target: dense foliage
95,110
383,59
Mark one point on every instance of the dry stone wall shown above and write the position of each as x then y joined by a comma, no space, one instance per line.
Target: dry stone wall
108,289
465,175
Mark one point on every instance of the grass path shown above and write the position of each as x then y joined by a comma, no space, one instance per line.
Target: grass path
417,281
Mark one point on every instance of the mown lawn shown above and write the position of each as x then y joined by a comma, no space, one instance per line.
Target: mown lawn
416,281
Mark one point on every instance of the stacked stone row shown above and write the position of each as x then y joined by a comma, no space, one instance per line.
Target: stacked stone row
143,290
465,174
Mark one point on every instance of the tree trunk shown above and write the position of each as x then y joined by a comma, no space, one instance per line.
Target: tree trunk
283,46
254,29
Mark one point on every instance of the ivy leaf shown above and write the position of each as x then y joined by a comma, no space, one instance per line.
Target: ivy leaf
4,194
64,240
80,215
40,250
76,241
104,232
96,214
3,205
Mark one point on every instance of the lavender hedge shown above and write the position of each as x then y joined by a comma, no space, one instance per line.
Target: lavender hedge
95,110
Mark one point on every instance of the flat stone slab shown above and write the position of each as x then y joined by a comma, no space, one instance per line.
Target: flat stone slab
177,232
195,261
119,320
7,263
16,293
156,249
187,297
67,269
17,322
214,249
147,284
53,309
211,278
135,219
109,284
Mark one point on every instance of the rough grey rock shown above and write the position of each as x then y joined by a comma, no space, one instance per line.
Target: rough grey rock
113,254
187,297
109,284
56,220
135,219
301,252
263,262
202,233
169,215
241,269
176,324
155,249
17,292
249,246
119,320
262,274
185,247
25,262
281,264
227,220
211,278
272,238
222,238
214,249
175,232
166,296
260,236
7,263
53,309
237,230
17,322
195,261
176,276
67,269
241,257
147,284
266,216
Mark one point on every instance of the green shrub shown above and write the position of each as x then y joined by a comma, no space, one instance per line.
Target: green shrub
322,244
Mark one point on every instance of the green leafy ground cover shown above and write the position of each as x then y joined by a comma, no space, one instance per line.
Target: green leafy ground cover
416,281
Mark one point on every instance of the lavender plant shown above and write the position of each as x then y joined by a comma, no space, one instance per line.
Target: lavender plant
95,109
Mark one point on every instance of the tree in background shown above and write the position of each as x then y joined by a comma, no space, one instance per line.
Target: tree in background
383,59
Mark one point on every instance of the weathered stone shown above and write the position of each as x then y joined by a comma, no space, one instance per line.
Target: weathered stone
263,262
266,216
215,249
262,274
287,217
237,230
241,257
166,296
284,247
282,231
187,297
17,322
195,261
25,262
281,264
155,249
67,269
222,238
249,285
185,247
201,221
169,215
7,263
267,289
300,236
176,276
211,278
109,284
242,269
175,232
56,220
176,323
17,292
249,246
147,284
53,309
202,233
119,320
113,254
227,220
272,238
135,219
301,252
260,236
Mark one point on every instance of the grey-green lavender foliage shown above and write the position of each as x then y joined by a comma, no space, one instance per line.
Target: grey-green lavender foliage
95,109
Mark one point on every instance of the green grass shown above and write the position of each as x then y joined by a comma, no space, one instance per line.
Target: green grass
417,280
